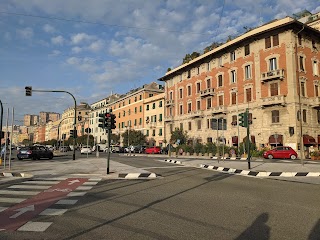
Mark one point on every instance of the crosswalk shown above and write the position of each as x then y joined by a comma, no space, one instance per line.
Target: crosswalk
19,194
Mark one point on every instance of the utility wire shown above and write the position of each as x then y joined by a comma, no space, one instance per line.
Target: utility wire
97,23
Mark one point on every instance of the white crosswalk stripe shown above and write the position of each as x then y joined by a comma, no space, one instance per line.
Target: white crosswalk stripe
18,193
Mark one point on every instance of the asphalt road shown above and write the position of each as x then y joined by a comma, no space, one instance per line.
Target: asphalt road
186,203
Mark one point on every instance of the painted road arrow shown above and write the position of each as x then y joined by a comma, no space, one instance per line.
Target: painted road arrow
22,211
14,217
73,181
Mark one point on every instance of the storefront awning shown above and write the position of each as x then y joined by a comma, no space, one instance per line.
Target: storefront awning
308,140
275,139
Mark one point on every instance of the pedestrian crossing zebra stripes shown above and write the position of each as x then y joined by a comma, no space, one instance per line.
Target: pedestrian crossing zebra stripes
21,203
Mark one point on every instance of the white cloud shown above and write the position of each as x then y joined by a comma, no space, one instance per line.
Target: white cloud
54,53
48,28
76,49
87,65
59,40
26,33
81,37
96,46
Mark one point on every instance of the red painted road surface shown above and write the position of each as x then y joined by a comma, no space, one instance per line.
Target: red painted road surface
14,217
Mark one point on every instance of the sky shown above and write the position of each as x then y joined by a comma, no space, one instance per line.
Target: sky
98,47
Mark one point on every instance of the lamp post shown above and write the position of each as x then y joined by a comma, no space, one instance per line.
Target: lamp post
29,91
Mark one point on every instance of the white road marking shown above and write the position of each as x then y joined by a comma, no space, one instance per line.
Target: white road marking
84,188
53,212
90,183
12,200
2,209
52,179
29,187
66,202
35,226
23,210
19,192
76,194
41,182
95,179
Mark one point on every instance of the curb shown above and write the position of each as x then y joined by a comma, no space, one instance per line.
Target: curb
229,158
137,175
173,161
262,173
15,174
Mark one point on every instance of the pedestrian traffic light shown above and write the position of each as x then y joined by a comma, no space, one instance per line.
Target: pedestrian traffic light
73,133
101,120
243,119
1,134
28,90
113,121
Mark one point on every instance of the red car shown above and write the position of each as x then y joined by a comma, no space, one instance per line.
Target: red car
153,150
281,152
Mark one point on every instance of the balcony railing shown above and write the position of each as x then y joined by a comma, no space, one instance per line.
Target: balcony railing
315,102
207,92
168,118
195,114
219,110
274,100
271,75
169,103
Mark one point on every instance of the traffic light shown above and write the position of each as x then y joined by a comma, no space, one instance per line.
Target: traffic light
113,121
108,120
28,90
73,133
243,119
101,120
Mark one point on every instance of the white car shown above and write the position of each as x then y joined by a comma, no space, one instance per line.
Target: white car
85,150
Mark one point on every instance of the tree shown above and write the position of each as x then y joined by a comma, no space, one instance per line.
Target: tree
212,46
190,57
169,69
26,142
83,140
135,137
179,134
115,138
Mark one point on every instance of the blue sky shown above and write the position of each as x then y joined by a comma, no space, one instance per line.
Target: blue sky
92,48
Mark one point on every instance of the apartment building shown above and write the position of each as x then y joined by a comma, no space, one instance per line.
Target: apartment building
67,118
273,70
128,108
30,120
154,120
45,117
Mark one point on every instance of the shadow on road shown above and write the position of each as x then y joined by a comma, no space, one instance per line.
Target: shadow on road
315,232
257,230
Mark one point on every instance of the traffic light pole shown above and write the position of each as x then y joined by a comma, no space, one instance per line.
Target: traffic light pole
248,141
75,116
109,150
1,121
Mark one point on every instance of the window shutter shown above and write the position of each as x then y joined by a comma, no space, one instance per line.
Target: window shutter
268,42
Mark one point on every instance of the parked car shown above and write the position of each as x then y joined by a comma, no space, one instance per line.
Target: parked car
86,150
281,152
153,150
34,152
64,149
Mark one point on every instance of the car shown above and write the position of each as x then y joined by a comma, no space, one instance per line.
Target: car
86,150
34,152
64,149
281,152
152,150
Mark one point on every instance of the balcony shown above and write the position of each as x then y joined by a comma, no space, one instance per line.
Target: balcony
195,114
315,102
272,75
207,92
168,118
169,103
273,101
219,110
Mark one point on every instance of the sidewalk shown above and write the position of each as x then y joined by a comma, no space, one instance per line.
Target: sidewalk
92,166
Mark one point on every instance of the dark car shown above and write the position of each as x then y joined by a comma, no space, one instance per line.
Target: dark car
34,152
281,152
